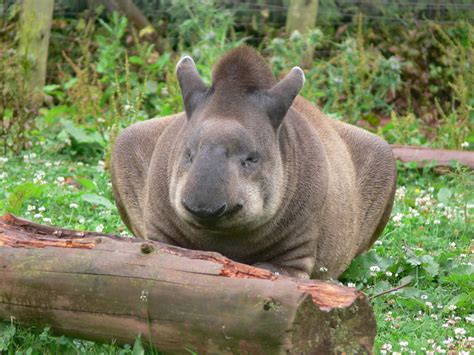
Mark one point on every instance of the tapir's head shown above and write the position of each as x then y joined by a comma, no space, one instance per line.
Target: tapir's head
228,172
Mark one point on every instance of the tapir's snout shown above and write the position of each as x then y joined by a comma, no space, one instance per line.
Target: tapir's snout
205,212
209,214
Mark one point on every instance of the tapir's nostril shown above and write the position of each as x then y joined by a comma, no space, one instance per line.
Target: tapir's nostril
205,213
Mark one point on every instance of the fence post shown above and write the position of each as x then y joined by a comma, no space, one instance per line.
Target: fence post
35,26
302,18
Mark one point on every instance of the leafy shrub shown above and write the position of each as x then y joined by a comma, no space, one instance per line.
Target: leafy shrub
356,83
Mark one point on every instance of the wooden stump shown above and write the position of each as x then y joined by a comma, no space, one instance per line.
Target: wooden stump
101,287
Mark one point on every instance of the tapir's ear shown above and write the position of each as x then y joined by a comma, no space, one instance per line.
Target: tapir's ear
281,96
192,87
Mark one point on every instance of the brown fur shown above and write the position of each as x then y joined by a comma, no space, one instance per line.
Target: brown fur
300,192
242,68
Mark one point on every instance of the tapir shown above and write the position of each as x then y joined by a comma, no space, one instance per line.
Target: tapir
255,172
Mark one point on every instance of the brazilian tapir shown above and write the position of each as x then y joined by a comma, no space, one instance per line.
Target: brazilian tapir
255,172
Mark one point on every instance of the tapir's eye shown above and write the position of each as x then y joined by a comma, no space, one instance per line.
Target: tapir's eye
252,159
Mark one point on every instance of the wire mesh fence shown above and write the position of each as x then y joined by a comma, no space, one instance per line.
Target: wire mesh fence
330,11
257,14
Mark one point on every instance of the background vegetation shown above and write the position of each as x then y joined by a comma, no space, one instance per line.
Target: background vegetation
403,70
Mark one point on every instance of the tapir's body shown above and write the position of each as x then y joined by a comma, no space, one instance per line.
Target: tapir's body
301,194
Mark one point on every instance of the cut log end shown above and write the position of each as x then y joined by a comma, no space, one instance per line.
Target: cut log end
177,298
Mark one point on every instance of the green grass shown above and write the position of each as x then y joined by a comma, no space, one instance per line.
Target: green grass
427,242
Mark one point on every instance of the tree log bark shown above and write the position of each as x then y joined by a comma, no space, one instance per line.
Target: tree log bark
101,287
423,155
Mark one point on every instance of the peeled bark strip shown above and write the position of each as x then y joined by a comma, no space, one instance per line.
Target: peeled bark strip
442,157
101,287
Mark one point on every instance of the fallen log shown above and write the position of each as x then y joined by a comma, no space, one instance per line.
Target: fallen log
423,155
101,287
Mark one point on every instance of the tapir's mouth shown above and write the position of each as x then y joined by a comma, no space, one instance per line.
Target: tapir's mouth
214,222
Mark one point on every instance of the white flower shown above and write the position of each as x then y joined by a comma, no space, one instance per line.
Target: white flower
424,297
350,284
42,209
3,160
448,341
48,164
125,234
3,175
465,144
39,177
470,319
47,220
31,208
99,228
81,219
429,305
32,156
374,268
378,242
144,296
400,192
38,215
394,63
403,344
60,179
388,273
459,331
437,221
338,80
323,269
387,347
73,205
452,307
398,219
